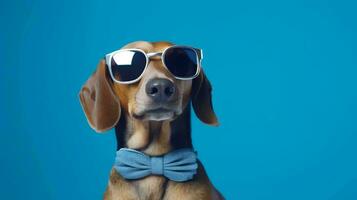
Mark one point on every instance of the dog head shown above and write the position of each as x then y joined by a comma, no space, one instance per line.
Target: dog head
157,96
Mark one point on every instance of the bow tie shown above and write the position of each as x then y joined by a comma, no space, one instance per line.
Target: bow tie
179,165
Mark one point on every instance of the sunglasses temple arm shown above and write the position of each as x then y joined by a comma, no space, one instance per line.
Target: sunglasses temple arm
107,58
199,53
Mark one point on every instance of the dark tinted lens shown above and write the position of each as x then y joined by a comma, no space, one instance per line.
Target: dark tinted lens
181,61
128,65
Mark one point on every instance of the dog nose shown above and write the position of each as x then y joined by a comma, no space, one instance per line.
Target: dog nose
160,89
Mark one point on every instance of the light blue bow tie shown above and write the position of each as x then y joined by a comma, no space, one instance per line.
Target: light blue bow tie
179,165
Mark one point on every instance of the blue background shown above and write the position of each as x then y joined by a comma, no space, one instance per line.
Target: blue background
284,77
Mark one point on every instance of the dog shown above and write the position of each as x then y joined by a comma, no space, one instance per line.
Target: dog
153,127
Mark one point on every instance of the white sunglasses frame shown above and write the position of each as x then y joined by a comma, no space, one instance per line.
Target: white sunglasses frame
199,57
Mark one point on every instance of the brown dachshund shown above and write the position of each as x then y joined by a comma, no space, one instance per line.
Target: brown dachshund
129,109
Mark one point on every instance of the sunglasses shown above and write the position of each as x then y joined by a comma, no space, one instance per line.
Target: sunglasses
128,65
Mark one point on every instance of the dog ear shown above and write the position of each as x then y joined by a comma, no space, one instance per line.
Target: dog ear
202,100
100,105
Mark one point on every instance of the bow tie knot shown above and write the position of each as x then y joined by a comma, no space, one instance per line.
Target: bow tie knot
157,165
179,165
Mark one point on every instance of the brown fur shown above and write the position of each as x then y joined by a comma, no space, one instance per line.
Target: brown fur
105,102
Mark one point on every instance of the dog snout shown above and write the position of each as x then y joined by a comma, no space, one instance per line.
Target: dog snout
160,89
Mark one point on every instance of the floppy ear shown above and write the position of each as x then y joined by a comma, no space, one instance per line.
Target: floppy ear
202,100
100,105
